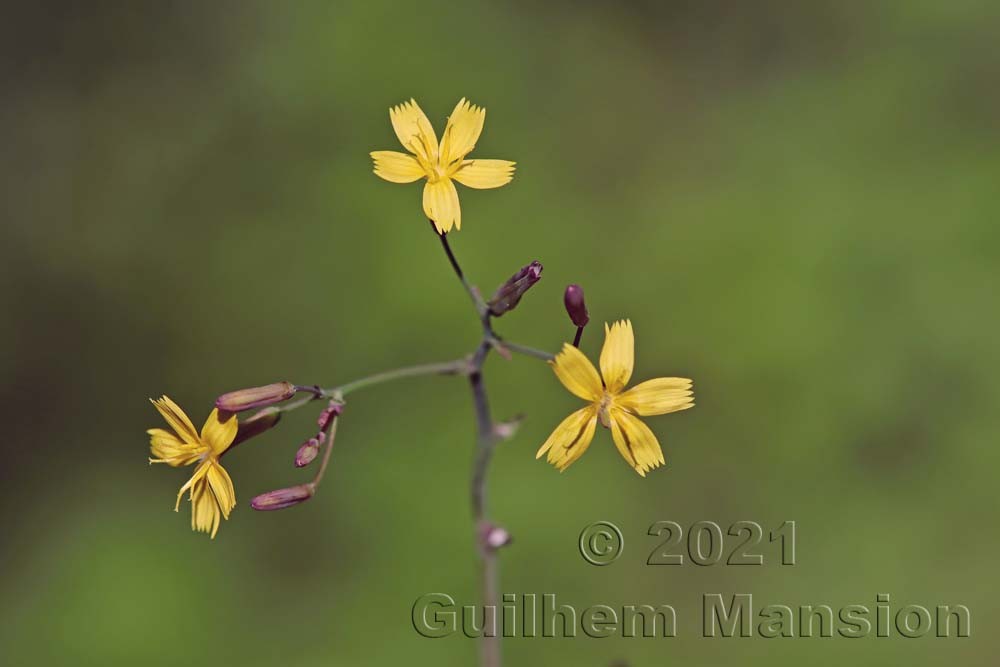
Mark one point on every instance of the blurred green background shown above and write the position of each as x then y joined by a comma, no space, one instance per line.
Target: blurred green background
795,203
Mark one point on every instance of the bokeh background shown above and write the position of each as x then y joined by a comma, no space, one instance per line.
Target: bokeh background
795,203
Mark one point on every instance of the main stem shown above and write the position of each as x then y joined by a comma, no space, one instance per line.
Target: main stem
490,574
485,440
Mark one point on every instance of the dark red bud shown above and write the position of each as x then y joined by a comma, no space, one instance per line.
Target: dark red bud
256,424
575,306
509,294
330,413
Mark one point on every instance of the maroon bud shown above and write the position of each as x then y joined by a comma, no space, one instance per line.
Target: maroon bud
331,412
575,306
307,452
509,294
255,397
256,424
282,498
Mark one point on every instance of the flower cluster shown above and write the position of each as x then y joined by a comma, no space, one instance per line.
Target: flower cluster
609,402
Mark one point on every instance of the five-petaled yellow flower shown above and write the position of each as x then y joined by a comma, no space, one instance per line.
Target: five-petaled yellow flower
440,165
210,489
617,409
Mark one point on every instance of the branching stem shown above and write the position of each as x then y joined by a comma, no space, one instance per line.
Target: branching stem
458,366
486,438
331,434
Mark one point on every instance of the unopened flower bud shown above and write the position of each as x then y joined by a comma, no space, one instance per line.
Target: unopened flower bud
255,397
282,498
575,306
493,537
329,414
509,294
498,537
307,453
505,430
255,425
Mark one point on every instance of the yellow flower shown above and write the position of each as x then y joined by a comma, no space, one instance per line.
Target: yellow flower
615,408
210,489
440,165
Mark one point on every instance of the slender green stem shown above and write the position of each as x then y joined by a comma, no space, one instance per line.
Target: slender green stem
458,366
331,434
298,403
527,351
477,299
454,367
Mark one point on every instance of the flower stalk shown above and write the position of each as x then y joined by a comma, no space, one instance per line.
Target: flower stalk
440,164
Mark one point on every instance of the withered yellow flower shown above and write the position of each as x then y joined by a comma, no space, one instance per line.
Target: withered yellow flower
615,408
440,164
210,489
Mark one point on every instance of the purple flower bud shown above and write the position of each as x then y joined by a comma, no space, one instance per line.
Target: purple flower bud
575,306
255,397
307,452
282,498
509,294
330,413
256,424
494,537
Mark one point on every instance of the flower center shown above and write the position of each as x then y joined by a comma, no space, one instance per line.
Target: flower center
436,173
604,409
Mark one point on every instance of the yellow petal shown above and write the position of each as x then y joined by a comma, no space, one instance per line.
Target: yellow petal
205,512
169,449
618,355
414,130
657,397
164,436
577,374
222,487
196,478
465,124
485,174
441,205
219,430
570,439
397,167
178,421
636,443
